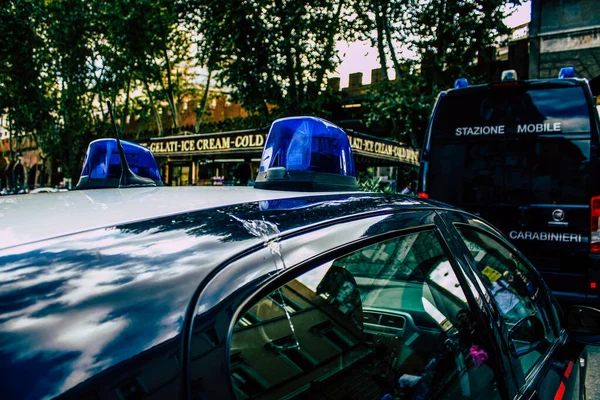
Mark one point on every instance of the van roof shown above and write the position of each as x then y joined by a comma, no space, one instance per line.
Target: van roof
531,83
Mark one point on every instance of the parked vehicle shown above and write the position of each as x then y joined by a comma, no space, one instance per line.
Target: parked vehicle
524,156
153,292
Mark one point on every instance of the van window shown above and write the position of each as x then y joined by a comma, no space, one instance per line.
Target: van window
497,112
511,146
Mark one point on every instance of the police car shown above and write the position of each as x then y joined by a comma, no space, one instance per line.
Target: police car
301,288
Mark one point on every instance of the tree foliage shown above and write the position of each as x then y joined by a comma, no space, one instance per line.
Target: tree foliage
272,52
23,92
448,38
62,59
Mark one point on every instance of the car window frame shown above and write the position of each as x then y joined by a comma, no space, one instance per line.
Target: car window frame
296,270
500,237
224,289
530,380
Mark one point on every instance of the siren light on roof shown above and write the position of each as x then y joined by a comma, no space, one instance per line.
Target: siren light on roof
567,72
102,165
509,75
461,83
306,153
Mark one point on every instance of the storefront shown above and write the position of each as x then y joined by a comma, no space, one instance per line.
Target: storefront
233,158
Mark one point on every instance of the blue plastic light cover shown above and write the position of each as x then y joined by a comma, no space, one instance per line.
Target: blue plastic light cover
308,144
566,72
102,160
461,83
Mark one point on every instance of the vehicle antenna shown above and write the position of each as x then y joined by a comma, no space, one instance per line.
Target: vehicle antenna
128,177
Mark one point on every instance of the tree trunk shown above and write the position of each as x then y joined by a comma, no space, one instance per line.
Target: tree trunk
327,54
300,78
389,39
265,108
441,44
289,58
90,107
202,105
126,106
10,139
379,23
159,125
169,91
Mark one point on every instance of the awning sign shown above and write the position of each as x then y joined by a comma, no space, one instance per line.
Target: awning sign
206,144
383,149
254,141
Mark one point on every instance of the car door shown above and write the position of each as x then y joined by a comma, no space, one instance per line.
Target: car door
550,369
368,309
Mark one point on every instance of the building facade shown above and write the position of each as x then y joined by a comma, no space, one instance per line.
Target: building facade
564,33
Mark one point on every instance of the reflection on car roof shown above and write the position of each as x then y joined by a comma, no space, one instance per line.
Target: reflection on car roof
26,219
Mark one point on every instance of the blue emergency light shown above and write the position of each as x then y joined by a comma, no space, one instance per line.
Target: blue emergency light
566,72
461,83
102,165
307,154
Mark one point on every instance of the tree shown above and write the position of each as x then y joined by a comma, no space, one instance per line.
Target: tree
450,38
148,45
403,105
270,52
22,89
70,33
456,37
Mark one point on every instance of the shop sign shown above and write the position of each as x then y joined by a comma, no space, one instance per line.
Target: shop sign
202,144
232,142
381,149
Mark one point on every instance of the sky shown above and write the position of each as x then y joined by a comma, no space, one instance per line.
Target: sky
360,57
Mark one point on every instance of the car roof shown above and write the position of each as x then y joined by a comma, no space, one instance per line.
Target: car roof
27,219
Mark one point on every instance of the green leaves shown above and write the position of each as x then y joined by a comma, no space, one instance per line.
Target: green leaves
449,39
62,59
275,53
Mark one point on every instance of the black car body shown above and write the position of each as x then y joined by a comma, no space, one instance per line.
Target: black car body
524,156
216,293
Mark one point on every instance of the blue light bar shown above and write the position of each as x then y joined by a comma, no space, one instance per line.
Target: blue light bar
566,72
306,153
461,83
102,166
509,75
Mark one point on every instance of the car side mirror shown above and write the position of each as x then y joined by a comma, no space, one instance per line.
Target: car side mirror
526,335
583,323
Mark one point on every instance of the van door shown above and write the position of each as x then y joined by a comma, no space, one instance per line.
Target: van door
551,221
519,156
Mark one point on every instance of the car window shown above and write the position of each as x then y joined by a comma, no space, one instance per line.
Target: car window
390,318
514,289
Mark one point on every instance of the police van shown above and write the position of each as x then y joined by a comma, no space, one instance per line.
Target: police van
523,154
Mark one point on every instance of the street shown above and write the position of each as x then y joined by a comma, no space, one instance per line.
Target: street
593,374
